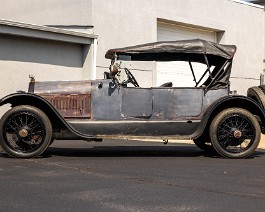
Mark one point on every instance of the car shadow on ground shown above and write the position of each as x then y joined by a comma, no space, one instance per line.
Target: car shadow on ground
132,151
126,151
135,151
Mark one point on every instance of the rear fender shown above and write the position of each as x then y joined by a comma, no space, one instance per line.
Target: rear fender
230,102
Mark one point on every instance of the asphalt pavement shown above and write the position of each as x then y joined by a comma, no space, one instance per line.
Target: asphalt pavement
131,176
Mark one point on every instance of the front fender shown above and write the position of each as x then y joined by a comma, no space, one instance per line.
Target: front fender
16,99
31,99
229,102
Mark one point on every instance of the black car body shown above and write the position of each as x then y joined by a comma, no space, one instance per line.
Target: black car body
109,108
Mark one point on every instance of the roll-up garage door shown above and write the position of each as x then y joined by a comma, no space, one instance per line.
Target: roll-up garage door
179,72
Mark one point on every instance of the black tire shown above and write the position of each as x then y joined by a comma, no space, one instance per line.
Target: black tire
235,133
204,143
258,95
26,132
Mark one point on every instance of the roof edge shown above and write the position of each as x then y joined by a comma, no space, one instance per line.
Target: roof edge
248,3
44,32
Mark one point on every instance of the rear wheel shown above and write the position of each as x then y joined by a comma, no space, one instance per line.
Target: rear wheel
235,133
25,132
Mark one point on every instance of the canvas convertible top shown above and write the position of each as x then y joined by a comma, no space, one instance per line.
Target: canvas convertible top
184,50
212,54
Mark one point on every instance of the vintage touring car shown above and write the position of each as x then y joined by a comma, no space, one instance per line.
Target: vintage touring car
93,110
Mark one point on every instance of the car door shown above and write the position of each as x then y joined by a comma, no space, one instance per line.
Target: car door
176,103
136,103
114,102
187,102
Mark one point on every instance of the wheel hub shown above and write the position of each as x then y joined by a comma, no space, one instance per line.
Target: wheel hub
23,133
237,134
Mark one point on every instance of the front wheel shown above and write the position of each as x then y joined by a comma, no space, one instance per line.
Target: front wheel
26,132
235,133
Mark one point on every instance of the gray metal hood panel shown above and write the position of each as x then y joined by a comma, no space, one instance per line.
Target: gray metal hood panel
63,87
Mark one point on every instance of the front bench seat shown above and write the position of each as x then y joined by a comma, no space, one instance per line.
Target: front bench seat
166,85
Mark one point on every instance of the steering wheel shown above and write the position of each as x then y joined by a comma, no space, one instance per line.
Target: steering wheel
130,79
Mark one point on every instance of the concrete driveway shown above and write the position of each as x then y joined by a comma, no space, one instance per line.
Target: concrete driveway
132,176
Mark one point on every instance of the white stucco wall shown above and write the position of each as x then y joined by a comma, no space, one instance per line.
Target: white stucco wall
48,12
46,60
125,22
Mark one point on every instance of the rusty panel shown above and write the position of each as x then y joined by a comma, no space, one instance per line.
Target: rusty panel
71,105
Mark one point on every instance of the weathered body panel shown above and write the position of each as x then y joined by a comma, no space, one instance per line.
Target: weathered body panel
165,112
106,100
112,102
72,99
71,105
136,103
63,87
101,108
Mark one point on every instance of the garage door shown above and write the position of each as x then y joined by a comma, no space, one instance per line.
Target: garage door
179,72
